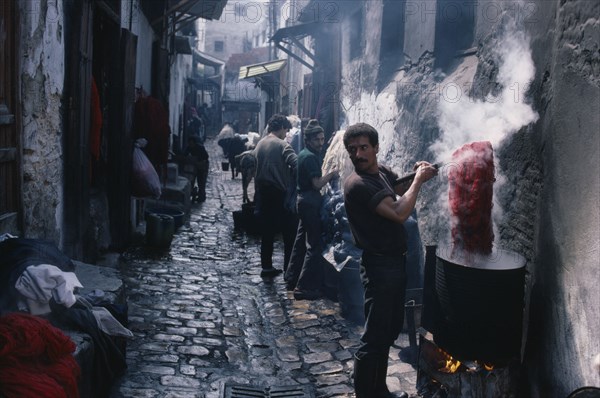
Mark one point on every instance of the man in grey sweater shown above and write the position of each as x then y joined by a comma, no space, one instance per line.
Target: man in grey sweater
275,170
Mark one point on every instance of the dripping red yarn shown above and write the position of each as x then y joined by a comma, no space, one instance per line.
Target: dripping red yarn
470,193
36,359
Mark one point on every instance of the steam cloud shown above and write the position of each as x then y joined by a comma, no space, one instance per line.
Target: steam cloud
494,118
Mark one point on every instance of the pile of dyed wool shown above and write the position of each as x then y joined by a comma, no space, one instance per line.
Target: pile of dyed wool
36,359
470,193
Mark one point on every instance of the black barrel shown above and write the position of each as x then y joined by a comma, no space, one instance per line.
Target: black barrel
480,313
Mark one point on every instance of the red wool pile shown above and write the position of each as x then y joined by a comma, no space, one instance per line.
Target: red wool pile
470,192
36,359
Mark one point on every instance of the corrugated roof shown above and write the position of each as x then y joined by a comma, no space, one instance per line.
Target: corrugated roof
261,69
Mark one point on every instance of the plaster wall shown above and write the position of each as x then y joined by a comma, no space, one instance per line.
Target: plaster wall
42,78
145,38
352,82
547,198
180,71
419,36
200,26
372,40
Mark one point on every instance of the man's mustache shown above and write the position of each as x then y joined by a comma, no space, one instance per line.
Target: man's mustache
359,160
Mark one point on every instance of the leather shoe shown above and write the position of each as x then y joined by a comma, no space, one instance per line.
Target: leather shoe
270,272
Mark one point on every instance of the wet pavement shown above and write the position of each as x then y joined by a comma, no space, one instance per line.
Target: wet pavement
202,316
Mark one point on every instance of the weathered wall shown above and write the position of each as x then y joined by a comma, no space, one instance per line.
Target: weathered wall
180,71
419,36
42,77
565,334
140,26
547,198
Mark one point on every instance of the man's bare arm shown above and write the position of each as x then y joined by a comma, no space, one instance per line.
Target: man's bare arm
319,182
399,210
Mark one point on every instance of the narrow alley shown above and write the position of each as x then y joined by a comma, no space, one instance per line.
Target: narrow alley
203,317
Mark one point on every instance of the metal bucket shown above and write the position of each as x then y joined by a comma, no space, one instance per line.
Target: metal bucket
160,229
480,313
178,215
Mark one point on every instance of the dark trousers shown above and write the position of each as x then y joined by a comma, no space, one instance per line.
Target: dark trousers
201,178
274,218
384,280
306,265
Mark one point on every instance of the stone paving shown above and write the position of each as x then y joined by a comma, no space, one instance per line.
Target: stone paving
202,316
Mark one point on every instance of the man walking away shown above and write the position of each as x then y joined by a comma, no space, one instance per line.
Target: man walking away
306,264
275,170
376,215
198,152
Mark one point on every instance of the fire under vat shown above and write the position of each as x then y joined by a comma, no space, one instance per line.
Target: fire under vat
473,298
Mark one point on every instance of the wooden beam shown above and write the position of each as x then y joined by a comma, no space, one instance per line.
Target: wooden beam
301,47
291,54
109,11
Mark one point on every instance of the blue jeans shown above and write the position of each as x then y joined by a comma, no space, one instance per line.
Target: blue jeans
384,280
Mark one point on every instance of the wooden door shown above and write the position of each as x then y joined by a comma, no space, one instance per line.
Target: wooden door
10,142
77,150
120,141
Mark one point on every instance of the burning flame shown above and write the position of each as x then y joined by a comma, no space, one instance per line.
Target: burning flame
450,365
488,366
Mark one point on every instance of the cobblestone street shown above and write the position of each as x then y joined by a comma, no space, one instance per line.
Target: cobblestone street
202,316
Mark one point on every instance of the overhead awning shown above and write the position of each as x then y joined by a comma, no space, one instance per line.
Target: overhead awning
206,9
187,11
206,59
297,31
261,69
292,35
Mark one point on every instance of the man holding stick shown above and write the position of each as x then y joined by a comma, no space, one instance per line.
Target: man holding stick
376,215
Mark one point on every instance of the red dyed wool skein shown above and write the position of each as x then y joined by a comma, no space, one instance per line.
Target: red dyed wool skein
36,359
470,193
